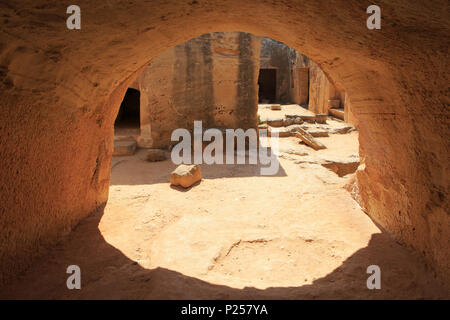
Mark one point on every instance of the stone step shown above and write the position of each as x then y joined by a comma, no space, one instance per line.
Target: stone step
338,113
125,138
124,148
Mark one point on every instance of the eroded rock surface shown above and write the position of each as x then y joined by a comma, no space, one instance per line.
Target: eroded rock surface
186,175
61,91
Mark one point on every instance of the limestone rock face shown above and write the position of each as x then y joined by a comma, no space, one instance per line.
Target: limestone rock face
186,175
199,80
154,155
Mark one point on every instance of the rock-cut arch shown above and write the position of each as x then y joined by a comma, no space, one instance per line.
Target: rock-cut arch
61,90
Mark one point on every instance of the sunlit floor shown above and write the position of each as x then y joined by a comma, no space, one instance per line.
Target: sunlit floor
236,235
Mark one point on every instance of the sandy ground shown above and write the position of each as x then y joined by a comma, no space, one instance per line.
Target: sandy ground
235,235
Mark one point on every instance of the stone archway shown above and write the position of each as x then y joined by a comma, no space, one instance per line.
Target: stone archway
62,90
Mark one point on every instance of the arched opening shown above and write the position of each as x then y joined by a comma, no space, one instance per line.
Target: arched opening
261,241
60,114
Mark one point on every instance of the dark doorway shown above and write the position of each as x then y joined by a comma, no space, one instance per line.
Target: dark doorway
128,118
267,82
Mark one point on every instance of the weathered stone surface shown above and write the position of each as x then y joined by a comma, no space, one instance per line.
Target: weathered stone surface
212,78
342,130
293,128
73,106
282,132
124,148
338,113
186,175
293,151
154,155
318,132
332,127
321,118
342,166
308,118
292,119
309,140
334,103
275,122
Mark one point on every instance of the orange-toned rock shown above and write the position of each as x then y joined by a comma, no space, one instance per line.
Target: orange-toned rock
342,166
309,140
186,175
275,122
318,132
404,186
321,118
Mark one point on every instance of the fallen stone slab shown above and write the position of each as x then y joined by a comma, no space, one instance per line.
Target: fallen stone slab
341,166
186,175
154,155
309,140
124,148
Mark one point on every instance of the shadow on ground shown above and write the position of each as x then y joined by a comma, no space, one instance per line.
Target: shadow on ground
106,273
159,172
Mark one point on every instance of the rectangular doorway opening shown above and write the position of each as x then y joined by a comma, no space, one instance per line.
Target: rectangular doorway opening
267,82
128,119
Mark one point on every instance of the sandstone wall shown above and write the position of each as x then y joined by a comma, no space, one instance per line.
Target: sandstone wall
212,78
61,91
322,89
291,80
